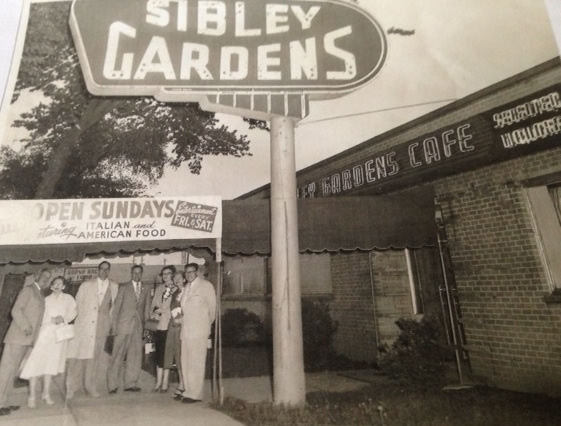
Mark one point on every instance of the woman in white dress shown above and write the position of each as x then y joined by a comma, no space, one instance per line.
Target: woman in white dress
48,357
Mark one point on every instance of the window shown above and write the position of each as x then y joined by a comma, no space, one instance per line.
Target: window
315,274
245,276
545,202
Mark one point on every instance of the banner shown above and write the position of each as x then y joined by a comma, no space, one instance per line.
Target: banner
109,220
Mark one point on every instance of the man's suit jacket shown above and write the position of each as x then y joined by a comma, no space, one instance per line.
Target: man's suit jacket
198,305
87,304
27,313
127,310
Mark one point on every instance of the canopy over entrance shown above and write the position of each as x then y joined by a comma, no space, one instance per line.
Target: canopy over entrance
404,220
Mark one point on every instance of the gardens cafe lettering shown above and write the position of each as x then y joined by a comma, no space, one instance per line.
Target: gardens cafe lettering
311,46
389,165
518,128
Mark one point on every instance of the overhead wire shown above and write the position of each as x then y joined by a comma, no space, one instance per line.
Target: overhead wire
376,111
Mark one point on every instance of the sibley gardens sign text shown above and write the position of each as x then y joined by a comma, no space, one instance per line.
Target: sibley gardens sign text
148,47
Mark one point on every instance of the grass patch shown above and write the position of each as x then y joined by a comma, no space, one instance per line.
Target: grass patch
391,404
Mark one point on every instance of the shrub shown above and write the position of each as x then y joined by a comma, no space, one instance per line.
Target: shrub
240,327
417,356
318,329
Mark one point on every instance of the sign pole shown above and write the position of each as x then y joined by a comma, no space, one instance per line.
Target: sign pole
288,358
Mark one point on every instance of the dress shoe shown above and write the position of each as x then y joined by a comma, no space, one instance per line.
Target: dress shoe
13,407
133,389
47,399
5,411
187,400
113,391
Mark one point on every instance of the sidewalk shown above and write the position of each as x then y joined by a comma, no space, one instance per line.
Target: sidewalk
124,408
153,409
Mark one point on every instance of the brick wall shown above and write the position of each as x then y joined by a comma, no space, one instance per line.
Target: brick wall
352,306
392,293
513,336
365,318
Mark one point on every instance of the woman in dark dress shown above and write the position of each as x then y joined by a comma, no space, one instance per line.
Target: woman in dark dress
173,343
161,310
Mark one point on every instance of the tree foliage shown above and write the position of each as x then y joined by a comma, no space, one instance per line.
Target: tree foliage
85,146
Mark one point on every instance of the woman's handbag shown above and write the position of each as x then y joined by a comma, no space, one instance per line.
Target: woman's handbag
64,332
151,324
109,343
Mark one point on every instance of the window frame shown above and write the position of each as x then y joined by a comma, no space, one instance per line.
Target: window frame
546,243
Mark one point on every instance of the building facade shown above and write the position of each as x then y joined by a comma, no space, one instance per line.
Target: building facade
494,162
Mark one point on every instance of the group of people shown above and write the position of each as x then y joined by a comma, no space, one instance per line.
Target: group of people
180,312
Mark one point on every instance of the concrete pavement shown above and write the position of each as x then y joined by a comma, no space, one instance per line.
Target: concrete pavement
124,408
155,409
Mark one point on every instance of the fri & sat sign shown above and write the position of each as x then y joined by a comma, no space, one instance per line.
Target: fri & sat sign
146,47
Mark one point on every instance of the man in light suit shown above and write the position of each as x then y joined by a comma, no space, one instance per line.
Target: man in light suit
130,311
198,305
94,302
27,315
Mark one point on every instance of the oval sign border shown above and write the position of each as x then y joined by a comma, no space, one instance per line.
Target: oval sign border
192,92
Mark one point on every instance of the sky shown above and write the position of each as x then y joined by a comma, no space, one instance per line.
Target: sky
458,47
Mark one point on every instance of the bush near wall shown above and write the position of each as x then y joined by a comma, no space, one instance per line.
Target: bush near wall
241,327
417,356
318,329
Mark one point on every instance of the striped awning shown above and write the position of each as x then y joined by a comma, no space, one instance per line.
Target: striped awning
404,220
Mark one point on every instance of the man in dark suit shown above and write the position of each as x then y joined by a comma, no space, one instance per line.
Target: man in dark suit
27,315
130,311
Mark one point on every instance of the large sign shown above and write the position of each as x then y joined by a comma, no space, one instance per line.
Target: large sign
149,47
105,220
521,127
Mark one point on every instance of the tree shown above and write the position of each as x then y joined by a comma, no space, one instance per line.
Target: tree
85,146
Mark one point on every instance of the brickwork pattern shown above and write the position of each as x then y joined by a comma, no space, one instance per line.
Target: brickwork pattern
513,335
392,292
352,306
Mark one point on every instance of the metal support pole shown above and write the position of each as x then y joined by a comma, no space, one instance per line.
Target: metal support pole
217,386
288,357
218,326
